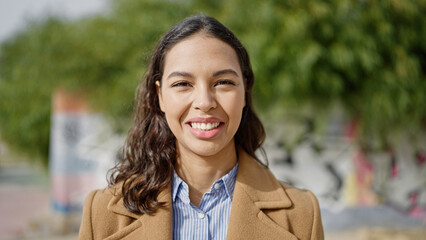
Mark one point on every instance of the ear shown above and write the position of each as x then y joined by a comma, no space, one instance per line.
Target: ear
160,96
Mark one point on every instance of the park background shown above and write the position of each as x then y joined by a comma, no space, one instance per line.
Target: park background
340,86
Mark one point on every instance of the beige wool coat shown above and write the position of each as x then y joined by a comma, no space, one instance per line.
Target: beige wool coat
262,208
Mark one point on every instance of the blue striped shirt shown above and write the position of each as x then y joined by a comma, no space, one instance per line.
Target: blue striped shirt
209,220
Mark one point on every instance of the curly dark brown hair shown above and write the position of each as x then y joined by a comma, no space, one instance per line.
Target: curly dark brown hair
150,149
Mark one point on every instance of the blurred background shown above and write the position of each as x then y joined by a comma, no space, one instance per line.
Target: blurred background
340,86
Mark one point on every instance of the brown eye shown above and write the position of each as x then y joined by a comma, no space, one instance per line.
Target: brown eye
225,82
181,84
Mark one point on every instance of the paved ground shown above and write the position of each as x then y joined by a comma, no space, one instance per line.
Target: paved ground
24,197
379,234
19,207
377,217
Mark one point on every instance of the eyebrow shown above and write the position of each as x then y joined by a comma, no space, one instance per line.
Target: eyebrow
218,73
225,71
179,74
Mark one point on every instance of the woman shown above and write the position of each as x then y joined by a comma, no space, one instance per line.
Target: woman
189,169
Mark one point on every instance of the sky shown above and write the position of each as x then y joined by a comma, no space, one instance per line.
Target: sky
15,13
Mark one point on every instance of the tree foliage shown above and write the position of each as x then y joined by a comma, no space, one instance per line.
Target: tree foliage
368,55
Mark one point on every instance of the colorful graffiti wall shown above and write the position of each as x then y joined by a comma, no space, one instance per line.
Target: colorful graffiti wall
342,174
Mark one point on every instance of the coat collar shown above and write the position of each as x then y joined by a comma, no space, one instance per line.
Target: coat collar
256,190
260,185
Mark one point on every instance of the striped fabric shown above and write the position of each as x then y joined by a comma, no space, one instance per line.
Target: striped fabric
209,220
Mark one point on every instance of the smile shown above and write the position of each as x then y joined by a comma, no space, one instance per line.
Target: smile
205,126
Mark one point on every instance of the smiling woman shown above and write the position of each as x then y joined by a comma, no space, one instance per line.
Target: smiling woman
190,155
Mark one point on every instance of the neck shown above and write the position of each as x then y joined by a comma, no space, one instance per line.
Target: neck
200,172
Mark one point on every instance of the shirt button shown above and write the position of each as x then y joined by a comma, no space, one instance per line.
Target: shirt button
201,215
216,186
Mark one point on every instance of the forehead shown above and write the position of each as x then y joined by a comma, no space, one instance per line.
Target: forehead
201,52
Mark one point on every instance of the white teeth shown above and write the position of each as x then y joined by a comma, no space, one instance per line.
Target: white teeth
204,126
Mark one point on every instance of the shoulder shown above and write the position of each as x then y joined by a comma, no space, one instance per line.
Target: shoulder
300,196
101,214
98,203
305,209
101,198
260,183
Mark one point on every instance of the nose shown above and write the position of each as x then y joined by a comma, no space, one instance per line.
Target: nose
204,99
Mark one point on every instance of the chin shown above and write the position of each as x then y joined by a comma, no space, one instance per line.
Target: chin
206,152
204,149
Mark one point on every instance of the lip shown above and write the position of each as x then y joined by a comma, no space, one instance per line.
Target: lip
201,134
204,120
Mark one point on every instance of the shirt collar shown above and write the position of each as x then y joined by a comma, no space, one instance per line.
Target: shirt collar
228,180
176,185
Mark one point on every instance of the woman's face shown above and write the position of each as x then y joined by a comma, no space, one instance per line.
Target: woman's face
202,95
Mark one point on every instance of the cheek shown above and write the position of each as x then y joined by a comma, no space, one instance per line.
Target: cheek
234,107
240,100
173,108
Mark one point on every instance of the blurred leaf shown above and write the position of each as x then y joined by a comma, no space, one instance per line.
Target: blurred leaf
370,56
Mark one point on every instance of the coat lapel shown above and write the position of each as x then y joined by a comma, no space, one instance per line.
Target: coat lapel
156,226
256,192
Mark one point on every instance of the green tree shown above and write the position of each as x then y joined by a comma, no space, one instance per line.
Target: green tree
369,56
